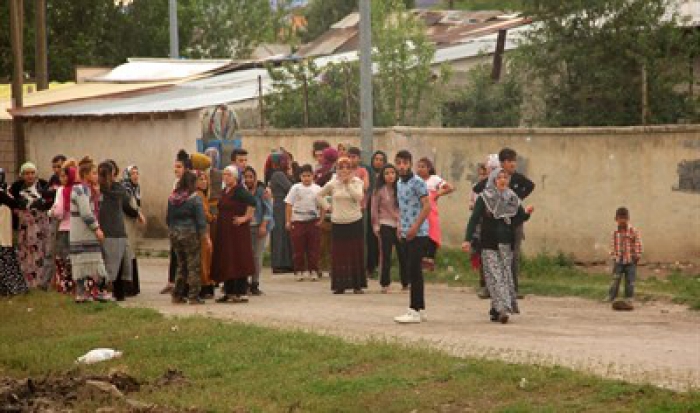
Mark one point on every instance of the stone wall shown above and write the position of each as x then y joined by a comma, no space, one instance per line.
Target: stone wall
582,174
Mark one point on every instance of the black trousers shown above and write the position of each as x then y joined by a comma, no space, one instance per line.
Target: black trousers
372,243
390,240
431,249
414,251
172,270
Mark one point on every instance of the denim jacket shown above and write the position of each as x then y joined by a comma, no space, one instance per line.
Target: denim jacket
263,209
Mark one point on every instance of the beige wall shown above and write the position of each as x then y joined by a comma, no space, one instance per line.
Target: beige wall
582,175
151,144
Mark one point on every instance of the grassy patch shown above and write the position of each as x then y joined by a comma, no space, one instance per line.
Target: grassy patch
556,275
230,365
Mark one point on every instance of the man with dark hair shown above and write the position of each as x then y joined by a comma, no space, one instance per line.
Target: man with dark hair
523,187
412,194
239,158
318,148
56,164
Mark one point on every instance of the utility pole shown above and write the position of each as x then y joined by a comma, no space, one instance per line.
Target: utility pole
366,107
174,42
498,56
42,71
16,17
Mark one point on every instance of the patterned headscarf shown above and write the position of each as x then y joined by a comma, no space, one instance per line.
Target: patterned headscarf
132,188
502,204
71,176
276,161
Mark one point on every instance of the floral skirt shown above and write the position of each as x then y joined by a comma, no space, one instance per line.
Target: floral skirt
12,281
33,244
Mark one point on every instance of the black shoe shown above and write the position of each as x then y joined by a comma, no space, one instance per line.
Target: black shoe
493,314
255,290
223,299
339,292
196,301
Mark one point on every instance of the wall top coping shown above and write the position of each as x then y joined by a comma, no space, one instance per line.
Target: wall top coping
627,130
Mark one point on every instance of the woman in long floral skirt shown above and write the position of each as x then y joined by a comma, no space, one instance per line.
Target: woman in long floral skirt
33,236
12,281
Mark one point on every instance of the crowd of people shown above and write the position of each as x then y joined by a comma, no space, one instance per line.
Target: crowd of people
71,231
74,232
339,217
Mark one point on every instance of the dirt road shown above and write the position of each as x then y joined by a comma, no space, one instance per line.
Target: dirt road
657,343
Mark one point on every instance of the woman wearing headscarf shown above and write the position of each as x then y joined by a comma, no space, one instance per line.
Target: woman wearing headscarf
12,281
322,176
347,260
131,180
379,159
277,171
499,210
232,262
33,223
60,211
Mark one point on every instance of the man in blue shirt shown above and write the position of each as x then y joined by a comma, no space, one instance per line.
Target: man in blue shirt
414,205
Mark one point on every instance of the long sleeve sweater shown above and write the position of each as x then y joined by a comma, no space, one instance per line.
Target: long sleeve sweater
346,199
385,209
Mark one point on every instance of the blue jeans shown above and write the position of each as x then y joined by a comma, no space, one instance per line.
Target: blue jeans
629,271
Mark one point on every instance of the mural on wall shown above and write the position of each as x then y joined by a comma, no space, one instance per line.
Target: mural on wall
689,176
219,131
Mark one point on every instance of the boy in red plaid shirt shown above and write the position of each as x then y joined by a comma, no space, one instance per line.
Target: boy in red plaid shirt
626,249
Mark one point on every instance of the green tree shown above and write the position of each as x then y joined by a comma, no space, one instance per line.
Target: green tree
232,28
588,59
485,103
406,91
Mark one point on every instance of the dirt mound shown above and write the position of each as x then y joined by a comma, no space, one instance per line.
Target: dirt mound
77,391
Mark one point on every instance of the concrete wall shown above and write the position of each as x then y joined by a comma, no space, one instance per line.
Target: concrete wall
149,143
582,175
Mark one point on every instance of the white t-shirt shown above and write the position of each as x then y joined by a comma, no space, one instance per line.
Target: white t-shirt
303,201
434,183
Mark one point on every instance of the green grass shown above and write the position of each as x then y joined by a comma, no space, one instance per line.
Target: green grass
556,275
233,365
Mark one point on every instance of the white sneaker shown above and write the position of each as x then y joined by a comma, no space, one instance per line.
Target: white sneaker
313,276
411,317
299,277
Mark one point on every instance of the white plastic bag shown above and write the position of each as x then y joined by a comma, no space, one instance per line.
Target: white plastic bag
97,355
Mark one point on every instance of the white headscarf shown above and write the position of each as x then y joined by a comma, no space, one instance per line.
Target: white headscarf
502,204
492,162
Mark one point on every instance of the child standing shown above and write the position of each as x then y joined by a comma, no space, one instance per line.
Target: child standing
304,218
626,249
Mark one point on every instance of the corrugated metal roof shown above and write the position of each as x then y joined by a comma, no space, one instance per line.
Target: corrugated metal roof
157,70
232,87
77,92
347,22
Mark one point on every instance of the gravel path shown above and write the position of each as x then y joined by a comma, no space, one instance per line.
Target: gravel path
657,343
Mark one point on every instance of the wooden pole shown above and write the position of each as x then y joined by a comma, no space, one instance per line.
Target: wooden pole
16,17
645,96
498,56
306,102
261,103
42,72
